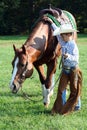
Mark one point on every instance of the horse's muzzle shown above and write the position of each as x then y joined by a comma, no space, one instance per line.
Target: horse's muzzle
15,87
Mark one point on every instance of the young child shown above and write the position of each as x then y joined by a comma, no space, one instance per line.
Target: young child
70,71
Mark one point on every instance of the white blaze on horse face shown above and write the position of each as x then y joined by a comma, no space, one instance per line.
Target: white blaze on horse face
14,71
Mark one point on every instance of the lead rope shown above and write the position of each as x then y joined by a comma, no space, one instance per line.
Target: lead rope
26,96
56,81
58,76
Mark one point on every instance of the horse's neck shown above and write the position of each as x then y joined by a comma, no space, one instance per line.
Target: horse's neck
40,31
37,41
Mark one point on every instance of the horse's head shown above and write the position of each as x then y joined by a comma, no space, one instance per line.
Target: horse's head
22,68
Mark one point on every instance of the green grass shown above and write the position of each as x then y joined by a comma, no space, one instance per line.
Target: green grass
18,113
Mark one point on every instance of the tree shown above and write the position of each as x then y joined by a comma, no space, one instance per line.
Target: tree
19,16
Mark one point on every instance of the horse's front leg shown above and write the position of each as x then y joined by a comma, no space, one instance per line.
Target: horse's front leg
49,82
48,92
42,77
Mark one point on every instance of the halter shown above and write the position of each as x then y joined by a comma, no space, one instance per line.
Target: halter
23,74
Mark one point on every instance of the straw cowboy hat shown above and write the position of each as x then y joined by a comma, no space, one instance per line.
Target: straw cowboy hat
65,28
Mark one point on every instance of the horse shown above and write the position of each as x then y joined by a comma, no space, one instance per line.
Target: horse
40,48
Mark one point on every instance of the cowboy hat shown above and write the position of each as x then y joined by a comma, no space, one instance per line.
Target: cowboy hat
64,28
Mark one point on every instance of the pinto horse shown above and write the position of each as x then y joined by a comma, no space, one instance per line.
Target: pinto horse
40,48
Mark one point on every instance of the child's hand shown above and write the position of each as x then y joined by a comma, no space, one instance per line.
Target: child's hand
65,56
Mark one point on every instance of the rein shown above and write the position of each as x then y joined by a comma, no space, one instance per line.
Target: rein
56,81
26,96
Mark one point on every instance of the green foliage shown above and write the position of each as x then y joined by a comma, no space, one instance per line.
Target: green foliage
19,113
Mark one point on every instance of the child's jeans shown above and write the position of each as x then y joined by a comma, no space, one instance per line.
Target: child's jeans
77,107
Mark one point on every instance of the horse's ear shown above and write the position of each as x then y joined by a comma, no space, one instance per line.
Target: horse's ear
24,49
14,47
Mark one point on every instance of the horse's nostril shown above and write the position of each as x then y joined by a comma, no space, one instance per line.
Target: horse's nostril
14,87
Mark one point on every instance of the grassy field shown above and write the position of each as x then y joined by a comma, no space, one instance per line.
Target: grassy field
20,113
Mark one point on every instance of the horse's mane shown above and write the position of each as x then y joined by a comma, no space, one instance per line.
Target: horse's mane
37,24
